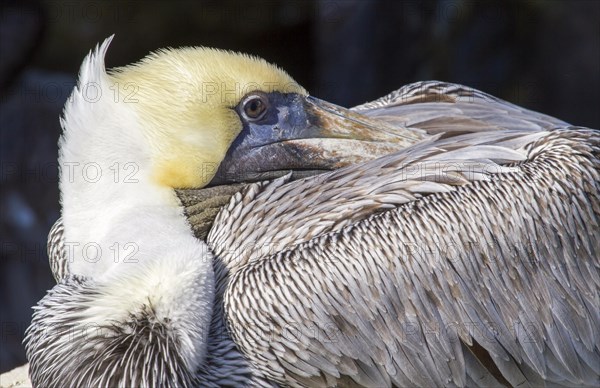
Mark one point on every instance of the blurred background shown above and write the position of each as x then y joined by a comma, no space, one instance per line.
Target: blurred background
541,54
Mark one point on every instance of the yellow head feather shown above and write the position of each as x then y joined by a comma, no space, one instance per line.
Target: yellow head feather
185,98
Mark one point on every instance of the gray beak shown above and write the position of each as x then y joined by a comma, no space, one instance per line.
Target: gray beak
306,135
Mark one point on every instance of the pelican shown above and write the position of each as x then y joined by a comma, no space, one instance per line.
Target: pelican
454,243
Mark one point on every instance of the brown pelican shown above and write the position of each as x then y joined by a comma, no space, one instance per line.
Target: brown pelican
467,258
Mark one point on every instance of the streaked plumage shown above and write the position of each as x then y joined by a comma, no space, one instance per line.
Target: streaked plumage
467,259
57,254
402,270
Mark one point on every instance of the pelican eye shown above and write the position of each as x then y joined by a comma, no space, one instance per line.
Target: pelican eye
254,107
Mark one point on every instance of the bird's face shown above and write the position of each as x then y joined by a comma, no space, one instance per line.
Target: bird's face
216,117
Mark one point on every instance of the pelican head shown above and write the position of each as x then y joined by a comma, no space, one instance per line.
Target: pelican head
212,117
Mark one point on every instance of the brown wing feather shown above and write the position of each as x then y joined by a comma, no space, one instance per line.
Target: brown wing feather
440,107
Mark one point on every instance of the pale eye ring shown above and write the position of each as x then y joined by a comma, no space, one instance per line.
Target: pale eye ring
254,107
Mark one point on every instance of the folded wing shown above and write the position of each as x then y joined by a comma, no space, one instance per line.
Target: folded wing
466,260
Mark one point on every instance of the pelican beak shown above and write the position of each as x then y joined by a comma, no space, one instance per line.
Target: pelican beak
306,135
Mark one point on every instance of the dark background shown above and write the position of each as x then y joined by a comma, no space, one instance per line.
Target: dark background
543,55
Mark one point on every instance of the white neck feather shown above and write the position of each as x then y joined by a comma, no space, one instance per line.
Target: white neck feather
122,229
